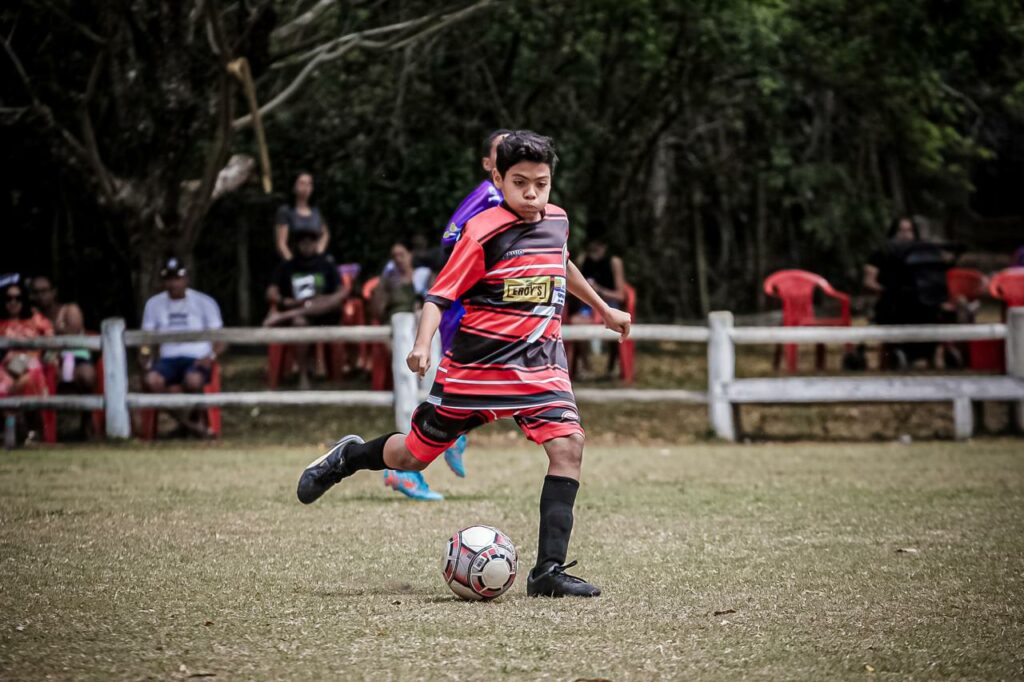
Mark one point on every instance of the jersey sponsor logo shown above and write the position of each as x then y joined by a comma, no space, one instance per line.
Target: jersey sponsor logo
527,290
570,416
558,294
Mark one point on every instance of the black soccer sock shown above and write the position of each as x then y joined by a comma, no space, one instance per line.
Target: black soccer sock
369,455
557,498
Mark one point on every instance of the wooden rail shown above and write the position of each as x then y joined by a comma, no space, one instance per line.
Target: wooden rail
724,396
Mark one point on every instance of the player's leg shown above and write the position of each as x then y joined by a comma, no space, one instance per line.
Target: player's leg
412,452
559,431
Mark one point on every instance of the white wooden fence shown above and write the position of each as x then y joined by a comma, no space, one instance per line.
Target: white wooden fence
725,394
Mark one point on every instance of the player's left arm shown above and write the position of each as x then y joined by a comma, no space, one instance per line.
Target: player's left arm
616,320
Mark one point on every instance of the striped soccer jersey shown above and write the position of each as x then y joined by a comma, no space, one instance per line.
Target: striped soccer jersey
511,278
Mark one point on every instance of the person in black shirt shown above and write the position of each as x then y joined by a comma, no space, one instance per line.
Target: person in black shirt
306,291
605,273
908,274
299,218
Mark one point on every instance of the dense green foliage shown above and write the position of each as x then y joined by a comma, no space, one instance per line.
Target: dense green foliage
714,141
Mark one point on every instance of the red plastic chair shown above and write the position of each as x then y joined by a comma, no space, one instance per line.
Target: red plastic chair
49,417
149,416
1008,286
967,285
796,290
380,355
627,349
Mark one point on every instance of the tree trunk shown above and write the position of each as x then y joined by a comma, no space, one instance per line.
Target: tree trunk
700,253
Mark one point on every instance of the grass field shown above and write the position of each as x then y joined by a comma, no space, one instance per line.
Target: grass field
779,561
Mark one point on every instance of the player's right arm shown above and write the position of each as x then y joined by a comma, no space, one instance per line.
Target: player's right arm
462,271
418,359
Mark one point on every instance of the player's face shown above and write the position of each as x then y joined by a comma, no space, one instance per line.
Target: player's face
491,160
526,187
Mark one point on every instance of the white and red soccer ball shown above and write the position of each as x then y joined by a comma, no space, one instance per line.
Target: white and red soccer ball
480,562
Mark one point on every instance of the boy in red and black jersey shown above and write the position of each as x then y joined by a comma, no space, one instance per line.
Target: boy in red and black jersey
511,271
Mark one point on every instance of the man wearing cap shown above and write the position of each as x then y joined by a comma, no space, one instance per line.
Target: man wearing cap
181,366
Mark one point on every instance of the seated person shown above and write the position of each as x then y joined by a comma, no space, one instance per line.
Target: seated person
908,274
23,368
402,286
305,291
605,273
181,366
77,369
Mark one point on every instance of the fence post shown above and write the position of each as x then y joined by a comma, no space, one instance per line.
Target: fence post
115,379
721,371
403,336
963,418
1015,359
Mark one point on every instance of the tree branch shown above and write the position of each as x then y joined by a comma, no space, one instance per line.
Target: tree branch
338,47
300,22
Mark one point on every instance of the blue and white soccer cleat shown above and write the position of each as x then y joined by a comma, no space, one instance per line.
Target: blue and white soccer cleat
411,484
453,456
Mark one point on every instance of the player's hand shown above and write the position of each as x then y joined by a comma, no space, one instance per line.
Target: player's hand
418,360
618,321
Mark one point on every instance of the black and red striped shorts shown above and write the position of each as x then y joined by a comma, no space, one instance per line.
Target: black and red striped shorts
435,427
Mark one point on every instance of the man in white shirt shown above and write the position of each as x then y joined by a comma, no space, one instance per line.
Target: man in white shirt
180,366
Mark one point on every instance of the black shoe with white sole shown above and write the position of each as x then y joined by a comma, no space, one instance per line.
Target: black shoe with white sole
553,581
325,471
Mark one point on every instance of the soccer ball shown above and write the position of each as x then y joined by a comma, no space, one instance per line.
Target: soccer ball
480,562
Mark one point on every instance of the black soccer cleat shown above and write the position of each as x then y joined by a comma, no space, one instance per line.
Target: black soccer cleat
325,471
555,582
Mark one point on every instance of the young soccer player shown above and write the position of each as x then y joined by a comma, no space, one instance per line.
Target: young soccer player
483,197
511,271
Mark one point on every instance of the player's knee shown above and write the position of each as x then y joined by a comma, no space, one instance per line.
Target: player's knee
567,451
407,462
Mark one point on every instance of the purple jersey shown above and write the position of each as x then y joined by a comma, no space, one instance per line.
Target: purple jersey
485,196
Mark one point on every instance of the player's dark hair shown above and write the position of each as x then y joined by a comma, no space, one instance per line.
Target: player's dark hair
485,148
525,145
26,308
894,227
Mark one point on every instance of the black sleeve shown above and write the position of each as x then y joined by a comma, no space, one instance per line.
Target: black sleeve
283,279
877,259
283,216
332,280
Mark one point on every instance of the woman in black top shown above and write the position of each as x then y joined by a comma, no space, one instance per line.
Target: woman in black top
300,218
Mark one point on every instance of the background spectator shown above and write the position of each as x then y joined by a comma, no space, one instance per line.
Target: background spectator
402,286
306,291
908,275
23,369
606,275
300,218
181,366
77,369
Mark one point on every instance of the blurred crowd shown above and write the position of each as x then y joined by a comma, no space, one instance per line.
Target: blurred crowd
908,276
